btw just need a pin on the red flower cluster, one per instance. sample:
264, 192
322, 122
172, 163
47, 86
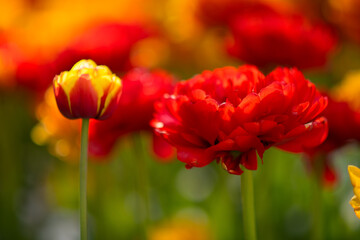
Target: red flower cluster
265, 38
344, 127
232, 115
141, 89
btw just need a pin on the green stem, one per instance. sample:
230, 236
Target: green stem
83, 177
142, 181
317, 231
247, 195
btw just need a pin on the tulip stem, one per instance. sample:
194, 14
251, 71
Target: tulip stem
83, 178
248, 209
142, 184
317, 231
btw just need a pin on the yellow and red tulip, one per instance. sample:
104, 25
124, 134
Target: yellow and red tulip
87, 91
354, 174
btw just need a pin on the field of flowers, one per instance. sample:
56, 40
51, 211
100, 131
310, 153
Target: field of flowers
179, 119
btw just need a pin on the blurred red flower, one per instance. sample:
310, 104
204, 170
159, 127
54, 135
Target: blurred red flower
344, 127
270, 38
232, 115
220, 12
141, 88
107, 44
34, 73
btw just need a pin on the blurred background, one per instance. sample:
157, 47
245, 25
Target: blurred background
136, 187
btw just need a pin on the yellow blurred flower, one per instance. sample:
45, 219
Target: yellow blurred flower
349, 89
180, 229
56, 22
354, 174
60, 134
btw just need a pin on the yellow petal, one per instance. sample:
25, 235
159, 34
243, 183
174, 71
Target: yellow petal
354, 174
357, 191
84, 64
355, 203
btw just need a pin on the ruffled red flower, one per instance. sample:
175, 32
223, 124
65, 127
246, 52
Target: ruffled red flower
108, 44
232, 115
344, 127
141, 88
269, 38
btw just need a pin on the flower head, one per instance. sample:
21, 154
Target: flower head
87, 91
232, 115
265, 38
354, 174
134, 112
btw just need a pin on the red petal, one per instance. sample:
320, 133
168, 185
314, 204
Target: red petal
305, 136
84, 99
247, 109
227, 145
245, 143
62, 101
111, 107
162, 149
195, 157
272, 99
249, 160
226, 110
231, 165
201, 117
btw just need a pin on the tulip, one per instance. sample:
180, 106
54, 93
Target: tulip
87, 91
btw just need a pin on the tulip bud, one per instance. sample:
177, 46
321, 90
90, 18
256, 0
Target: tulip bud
87, 91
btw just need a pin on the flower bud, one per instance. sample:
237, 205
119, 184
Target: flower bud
87, 91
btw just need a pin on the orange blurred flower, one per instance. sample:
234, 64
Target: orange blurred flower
181, 229
61, 135
346, 15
